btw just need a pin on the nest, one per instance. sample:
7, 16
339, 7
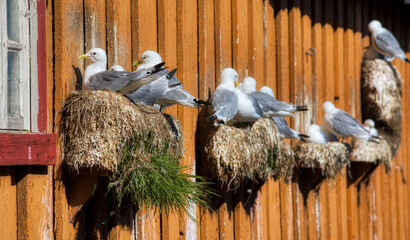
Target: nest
94, 127
285, 162
330, 158
381, 99
364, 151
233, 155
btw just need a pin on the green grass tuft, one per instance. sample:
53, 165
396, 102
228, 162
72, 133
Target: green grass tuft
153, 178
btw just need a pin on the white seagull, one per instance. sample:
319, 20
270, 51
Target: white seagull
248, 108
370, 126
341, 124
385, 42
225, 97
96, 77
269, 105
316, 135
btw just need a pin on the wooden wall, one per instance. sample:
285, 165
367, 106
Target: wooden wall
264, 39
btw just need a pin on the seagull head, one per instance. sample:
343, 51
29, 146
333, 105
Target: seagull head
328, 107
267, 90
374, 25
229, 76
314, 128
97, 55
369, 123
148, 59
248, 85
117, 68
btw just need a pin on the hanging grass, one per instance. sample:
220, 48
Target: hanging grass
150, 177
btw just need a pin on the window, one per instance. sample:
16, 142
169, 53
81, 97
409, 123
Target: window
15, 78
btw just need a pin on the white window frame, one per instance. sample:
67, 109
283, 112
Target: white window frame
23, 47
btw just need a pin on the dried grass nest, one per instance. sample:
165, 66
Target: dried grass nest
381, 99
233, 155
365, 151
94, 127
330, 158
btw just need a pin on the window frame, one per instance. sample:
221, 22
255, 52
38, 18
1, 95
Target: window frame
33, 146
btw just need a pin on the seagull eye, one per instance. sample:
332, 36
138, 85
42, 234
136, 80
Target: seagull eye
94, 53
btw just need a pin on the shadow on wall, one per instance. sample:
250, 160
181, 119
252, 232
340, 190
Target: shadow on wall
354, 15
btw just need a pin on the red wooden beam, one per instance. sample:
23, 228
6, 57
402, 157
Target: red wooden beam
27, 149
42, 66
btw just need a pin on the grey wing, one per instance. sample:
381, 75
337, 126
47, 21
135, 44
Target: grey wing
386, 42
225, 103
282, 125
107, 80
255, 104
177, 96
141, 95
346, 125
173, 81
267, 102
139, 78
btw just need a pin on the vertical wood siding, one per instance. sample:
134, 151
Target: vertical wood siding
266, 39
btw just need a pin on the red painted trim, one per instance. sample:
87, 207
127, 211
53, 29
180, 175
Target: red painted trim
42, 67
27, 149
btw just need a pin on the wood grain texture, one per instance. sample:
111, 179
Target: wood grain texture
27, 149
8, 208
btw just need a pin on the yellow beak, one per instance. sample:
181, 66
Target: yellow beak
236, 84
136, 63
83, 56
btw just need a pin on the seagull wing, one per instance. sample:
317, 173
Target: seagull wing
225, 103
387, 43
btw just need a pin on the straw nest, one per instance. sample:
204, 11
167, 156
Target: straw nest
381, 99
233, 155
94, 127
330, 158
365, 151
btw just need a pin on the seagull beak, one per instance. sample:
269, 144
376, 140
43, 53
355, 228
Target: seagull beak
237, 84
136, 63
83, 56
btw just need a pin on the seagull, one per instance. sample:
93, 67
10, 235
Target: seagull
248, 108
117, 68
341, 124
370, 126
174, 94
269, 105
225, 98
283, 128
316, 135
96, 77
385, 42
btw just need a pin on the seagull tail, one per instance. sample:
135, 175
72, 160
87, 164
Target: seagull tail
303, 137
171, 74
302, 108
201, 103
159, 66
211, 118
407, 60
375, 139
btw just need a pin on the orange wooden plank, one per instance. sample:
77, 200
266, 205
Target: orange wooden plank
188, 75
35, 203
167, 37
297, 96
8, 208
119, 34
223, 59
270, 44
282, 44
259, 216
206, 22
50, 65
68, 45
143, 27
144, 37
94, 23
240, 54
